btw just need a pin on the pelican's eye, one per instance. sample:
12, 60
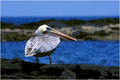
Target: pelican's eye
49, 29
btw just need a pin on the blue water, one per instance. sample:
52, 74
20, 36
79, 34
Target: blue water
81, 52
25, 20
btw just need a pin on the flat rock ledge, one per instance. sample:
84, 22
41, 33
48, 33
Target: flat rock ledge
19, 69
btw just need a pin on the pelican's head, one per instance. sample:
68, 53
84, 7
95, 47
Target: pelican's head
41, 30
45, 29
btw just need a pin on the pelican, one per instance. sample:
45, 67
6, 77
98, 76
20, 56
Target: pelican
44, 42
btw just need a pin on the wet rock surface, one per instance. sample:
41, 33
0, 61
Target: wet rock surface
19, 69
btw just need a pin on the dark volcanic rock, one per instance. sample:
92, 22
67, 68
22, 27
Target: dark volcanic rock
19, 69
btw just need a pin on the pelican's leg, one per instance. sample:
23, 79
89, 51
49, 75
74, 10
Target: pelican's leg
50, 59
37, 60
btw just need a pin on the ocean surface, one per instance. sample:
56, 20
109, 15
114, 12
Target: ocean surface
68, 52
25, 20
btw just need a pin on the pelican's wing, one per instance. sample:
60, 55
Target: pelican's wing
41, 44
29, 48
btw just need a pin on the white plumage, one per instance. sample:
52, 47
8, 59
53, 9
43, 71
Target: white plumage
41, 45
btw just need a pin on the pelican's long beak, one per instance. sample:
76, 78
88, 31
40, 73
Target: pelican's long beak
61, 34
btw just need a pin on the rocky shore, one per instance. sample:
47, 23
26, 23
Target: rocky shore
100, 29
19, 69
108, 32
